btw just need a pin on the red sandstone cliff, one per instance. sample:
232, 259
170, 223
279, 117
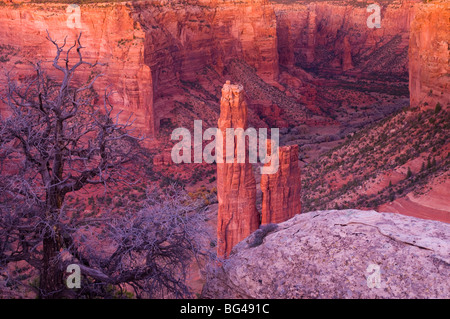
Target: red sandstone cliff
155, 50
281, 191
332, 37
429, 71
150, 48
236, 187
184, 40
109, 35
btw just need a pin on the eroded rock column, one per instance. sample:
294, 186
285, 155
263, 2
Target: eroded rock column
281, 191
236, 187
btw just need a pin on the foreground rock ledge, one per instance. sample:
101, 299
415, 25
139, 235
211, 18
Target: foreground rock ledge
325, 254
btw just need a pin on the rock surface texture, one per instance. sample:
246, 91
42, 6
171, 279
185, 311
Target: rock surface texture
281, 191
327, 254
236, 187
151, 49
148, 48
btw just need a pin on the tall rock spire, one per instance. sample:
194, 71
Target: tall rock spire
281, 191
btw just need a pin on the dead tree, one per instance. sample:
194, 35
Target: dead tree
54, 140
150, 251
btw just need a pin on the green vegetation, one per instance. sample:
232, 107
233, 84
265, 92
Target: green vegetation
344, 175
6, 51
438, 108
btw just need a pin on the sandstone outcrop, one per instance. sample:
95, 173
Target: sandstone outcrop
109, 36
429, 69
153, 48
148, 47
281, 191
333, 38
185, 38
335, 254
236, 187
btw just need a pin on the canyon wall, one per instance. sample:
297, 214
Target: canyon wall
148, 47
153, 49
429, 45
109, 36
332, 37
183, 38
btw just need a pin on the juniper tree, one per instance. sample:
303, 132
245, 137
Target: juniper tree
55, 139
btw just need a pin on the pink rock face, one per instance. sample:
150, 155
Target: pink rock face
236, 187
185, 37
334, 38
281, 191
109, 36
429, 81
147, 47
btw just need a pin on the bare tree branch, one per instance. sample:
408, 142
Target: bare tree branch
56, 140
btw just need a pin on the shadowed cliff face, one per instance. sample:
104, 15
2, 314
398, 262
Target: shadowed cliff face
152, 48
370, 169
333, 38
182, 39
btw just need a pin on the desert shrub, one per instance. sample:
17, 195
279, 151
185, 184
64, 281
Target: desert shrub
438, 108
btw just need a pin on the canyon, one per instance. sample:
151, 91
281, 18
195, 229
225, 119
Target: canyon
358, 108
167, 60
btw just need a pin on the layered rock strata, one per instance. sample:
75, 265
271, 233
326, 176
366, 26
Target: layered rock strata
328, 37
185, 39
110, 36
429, 44
236, 186
148, 48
